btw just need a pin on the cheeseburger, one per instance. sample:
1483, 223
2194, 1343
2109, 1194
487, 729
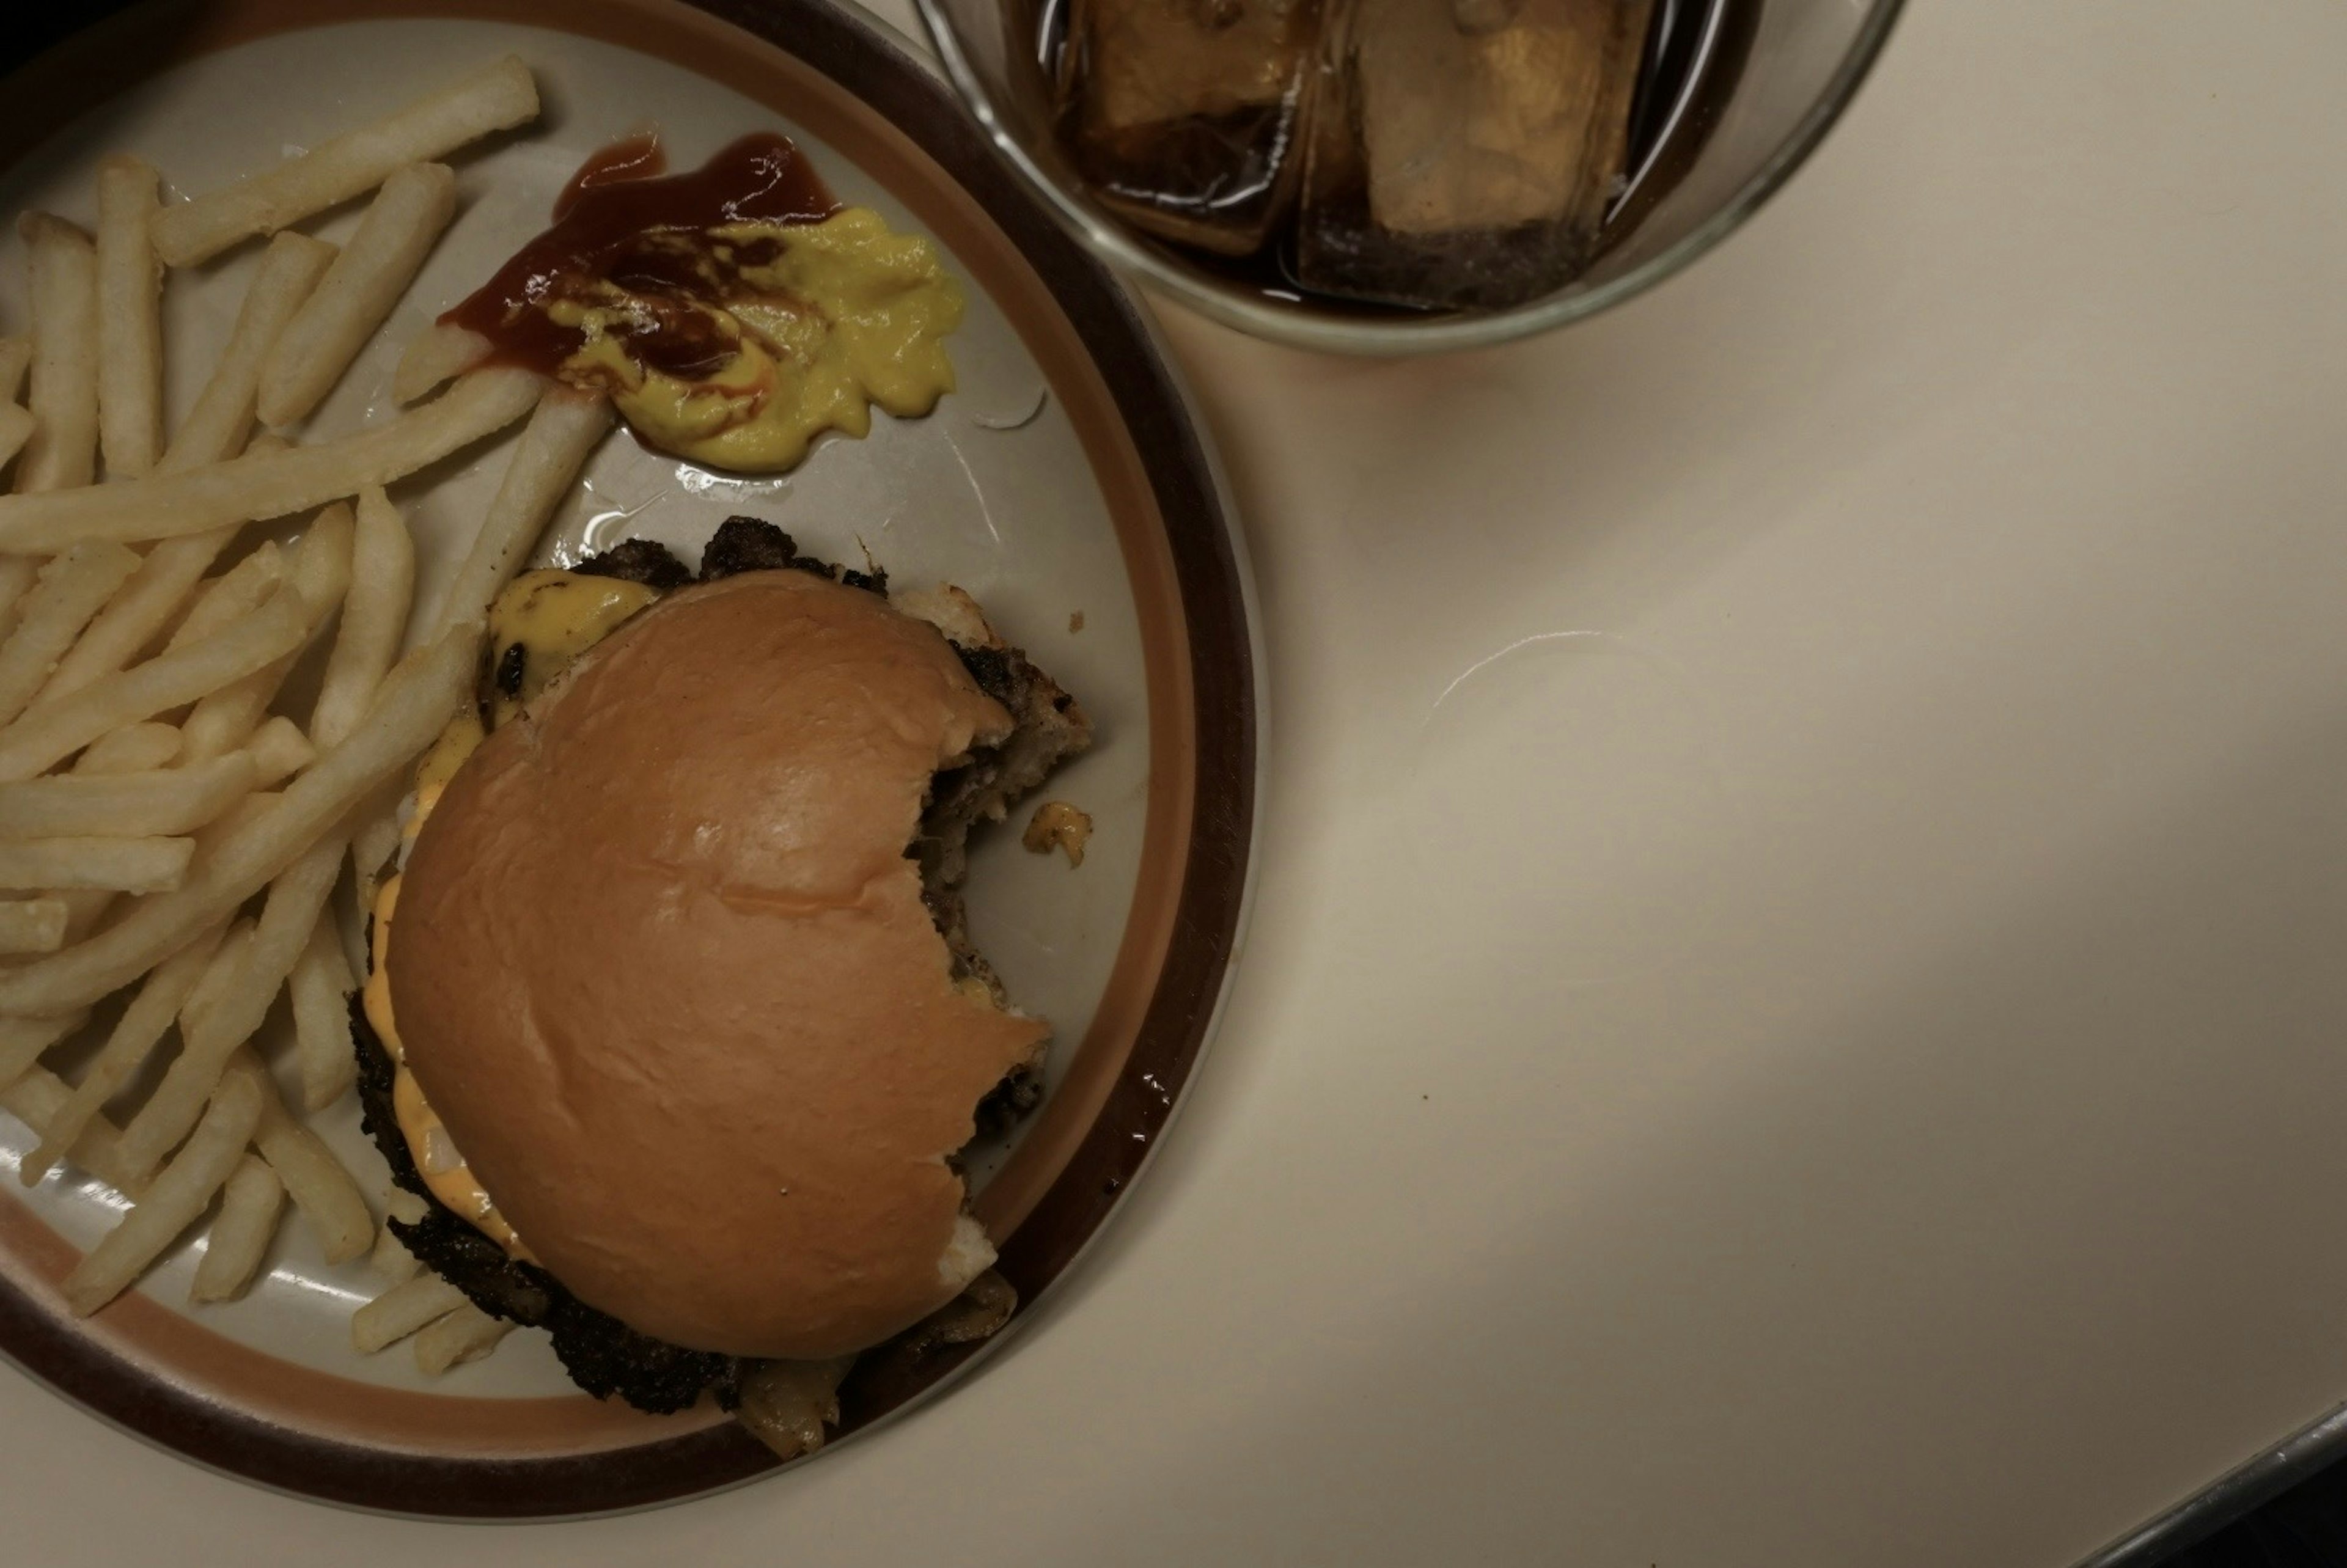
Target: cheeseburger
673, 1018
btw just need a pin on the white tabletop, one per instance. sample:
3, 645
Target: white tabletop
1795, 1013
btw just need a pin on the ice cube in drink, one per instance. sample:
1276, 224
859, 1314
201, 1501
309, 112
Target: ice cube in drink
1463, 152
1182, 114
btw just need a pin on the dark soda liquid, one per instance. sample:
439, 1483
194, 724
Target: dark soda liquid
1695, 52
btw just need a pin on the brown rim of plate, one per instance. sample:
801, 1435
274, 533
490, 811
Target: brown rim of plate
1099, 1126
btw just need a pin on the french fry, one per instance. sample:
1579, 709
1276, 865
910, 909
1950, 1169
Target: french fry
497, 98
371, 848
61, 268
219, 975
211, 1034
401, 1311
71, 590
232, 596
321, 561
122, 865
321, 574
358, 290
279, 749
32, 924
85, 907
240, 1236
330, 1201
390, 1257
465, 1335
273, 484
36, 1096
375, 617
15, 358
546, 462
132, 749
16, 427
17, 574
137, 614
130, 318
217, 427
40, 740
321, 987
441, 351
161, 803
173, 1202
408, 712
21, 1040
134, 1037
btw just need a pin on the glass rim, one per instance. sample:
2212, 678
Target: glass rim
1263, 319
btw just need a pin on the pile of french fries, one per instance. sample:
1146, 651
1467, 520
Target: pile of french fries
169, 829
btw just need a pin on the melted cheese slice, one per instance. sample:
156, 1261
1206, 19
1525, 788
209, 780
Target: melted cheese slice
541, 622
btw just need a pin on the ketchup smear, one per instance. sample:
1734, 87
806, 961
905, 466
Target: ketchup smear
621, 220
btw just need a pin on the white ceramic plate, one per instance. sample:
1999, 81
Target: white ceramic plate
1060, 484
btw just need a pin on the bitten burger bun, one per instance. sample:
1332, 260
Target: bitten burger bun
663, 968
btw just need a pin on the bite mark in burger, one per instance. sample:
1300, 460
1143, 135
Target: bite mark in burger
685, 1029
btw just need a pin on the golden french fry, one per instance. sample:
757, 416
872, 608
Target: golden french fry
216, 429
17, 574
390, 1259
409, 710
85, 907
358, 290
40, 740
271, 484
465, 1335
240, 1236
330, 1201
16, 427
71, 590
371, 848
279, 749
232, 596
375, 617
32, 925
132, 749
15, 358
441, 351
401, 1311
36, 1096
321, 574
137, 614
167, 990
495, 98
21, 1040
211, 1034
129, 317
545, 463
173, 1202
122, 865
219, 975
320, 986
61, 269
164, 801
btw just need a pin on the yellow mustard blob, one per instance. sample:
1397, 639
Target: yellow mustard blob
813, 323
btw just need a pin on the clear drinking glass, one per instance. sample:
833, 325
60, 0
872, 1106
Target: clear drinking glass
1734, 95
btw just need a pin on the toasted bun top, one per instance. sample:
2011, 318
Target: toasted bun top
663, 967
